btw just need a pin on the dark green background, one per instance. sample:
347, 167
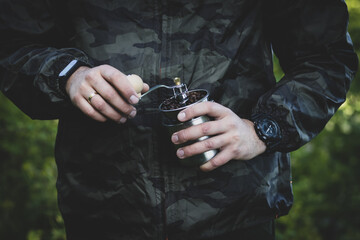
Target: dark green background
326, 174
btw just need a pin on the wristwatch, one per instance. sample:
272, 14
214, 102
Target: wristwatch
268, 131
65, 74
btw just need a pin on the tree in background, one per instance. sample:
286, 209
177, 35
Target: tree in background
325, 174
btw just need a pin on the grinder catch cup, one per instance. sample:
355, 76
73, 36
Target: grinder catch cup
170, 108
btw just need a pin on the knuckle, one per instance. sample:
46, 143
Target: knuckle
90, 76
205, 129
209, 144
90, 112
191, 149
83, 86
217, 162
109, 95
183, 136
236, 151
187, 151
236, 138
102, 66
189, 112
212, 106
232, 125
100, 106
115, 75
214, 163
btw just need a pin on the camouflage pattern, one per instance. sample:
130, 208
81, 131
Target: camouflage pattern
124, 181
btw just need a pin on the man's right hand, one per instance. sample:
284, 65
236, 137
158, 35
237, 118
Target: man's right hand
114, 98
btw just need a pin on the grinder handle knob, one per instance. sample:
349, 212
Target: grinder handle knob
136, 82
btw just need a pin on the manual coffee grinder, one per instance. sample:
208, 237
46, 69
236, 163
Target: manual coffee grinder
183, 98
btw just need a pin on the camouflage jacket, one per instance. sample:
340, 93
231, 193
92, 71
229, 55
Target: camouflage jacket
124, 181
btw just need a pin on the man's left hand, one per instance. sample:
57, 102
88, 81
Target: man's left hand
235, 138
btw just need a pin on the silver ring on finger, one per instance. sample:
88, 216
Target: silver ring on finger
91, 96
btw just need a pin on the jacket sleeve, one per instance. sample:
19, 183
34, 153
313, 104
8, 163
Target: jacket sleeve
316, 54
33, 51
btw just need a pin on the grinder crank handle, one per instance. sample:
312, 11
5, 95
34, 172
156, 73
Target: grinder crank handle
154, 88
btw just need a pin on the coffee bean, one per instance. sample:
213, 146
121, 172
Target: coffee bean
193, 97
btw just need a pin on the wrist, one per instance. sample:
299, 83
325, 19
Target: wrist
259, 145
67, 72
74, 76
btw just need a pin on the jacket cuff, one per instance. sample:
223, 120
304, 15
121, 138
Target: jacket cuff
49, 74
59, 66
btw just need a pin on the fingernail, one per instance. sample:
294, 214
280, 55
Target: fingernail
132, 114
180, 153
181, 116
134, 99
174, 138
122, 120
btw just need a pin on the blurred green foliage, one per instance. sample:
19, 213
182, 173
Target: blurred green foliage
28, 204
326, 177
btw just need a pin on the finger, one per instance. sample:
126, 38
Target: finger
202, 146
146, 88
112, 97
220, 159
120, 83
211, 109
99, 104
86, 108
198, 131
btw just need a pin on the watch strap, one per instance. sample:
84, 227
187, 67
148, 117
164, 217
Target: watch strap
65, 73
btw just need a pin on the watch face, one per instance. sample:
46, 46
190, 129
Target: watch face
269, 128
268, 131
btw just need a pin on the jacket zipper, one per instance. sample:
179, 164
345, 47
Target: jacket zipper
158, 14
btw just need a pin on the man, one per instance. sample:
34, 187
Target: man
119, 176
